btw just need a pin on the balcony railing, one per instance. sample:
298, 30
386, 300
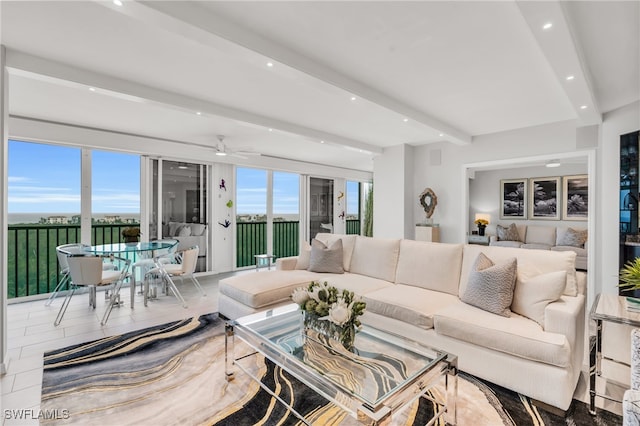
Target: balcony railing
32, 262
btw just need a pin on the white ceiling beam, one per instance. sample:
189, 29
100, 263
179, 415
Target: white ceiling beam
36, 67
195, 22
563, 56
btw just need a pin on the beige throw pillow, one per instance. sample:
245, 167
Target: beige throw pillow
490, 286
326, 259
531, 297
507, 234
304, 257
574, 238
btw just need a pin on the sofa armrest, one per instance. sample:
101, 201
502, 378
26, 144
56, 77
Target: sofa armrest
286, 263
493, 239
564, 317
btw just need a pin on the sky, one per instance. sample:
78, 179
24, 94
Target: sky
46, 179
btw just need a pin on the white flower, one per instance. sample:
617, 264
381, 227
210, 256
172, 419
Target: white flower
300, 296
340, 312
314, 293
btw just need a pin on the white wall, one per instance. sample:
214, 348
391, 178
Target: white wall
392, 193
448, 180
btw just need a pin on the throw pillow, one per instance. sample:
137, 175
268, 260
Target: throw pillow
326, 259
304, 257
531, 297
184, 231
507, 234
574, 238
490, 285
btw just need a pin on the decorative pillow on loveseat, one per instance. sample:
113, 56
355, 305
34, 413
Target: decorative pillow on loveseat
326, 259
507, 234
490, 286
574, 238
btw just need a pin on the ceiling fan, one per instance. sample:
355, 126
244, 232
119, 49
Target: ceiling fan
222, 150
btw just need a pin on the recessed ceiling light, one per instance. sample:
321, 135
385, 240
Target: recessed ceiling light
353, 98
583, 107
441, 134
405, 119
198, 113
221, 154
92, 89
570, 77
270, 129
553, 163
269, 64
183, 166
117, 2
547, 26
321, 141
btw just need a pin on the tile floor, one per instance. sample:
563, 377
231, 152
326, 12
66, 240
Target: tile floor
31, 333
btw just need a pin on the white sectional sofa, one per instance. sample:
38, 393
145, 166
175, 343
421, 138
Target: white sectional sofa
545, 238
413, 288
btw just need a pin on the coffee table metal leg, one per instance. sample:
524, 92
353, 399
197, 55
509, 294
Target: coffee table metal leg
451, 388
228, 352
595, 360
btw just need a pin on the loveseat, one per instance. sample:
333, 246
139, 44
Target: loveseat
414, 289
188, 235
555, 238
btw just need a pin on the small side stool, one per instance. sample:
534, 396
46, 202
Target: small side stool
263, 260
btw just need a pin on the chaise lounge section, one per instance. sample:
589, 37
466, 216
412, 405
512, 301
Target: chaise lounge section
415, 289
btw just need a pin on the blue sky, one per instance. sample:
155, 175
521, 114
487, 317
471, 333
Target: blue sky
46, 179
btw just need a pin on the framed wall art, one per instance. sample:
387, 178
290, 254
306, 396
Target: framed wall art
575, 197
513, 196
544, 198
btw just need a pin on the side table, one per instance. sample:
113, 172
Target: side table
612, 308
478, 239
264, 260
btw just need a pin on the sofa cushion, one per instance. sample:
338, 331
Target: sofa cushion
198, 229
513, 244
359, 284
304, 257
413, 305
348, 243
516, 335
375, 257
490, 285
260, 289
530, 263
572, 237
184, 231
416, 265
536, 246
326, 259
509, 233
531, 296
541, 235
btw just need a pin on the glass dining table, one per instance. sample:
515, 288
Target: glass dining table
144, 249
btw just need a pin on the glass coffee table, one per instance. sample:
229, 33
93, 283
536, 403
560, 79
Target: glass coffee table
381, 375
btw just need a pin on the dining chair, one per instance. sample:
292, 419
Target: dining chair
146, 264
184, 267
62, 252
87, 271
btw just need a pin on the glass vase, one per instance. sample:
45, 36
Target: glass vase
345, 334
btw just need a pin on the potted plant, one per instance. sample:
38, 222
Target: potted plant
131, 234
630, 277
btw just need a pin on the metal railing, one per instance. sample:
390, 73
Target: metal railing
32, 266
251, 239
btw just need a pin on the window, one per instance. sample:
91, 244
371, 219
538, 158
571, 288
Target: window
354, 195
251, 215
286, 214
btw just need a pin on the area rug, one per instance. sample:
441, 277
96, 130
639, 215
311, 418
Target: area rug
174, 374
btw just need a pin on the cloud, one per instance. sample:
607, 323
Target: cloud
14, 179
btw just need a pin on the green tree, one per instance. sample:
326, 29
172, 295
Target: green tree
367, 230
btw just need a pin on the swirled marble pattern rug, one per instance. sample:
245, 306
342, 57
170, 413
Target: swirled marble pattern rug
174, 374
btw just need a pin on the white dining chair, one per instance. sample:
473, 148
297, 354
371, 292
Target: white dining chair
146, 264
87, 271
184, 267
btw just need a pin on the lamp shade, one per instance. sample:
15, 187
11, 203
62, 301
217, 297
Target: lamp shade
484, 216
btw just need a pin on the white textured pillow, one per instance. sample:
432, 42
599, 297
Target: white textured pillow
490, 286
326, 259
184, 231
197, 229
304, 257
531, 297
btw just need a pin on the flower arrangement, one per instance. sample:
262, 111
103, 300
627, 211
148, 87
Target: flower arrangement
481, 222
131, 231
330, 311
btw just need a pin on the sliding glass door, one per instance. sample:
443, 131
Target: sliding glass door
320, 206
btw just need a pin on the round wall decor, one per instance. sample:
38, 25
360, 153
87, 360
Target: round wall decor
429, 201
